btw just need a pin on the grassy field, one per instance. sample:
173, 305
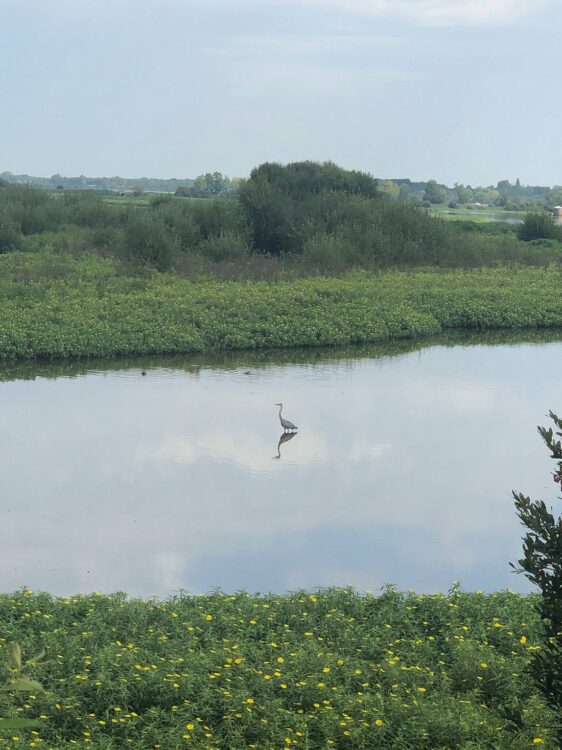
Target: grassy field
302, 671
57, 306
478, 214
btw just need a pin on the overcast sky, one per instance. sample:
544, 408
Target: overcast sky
456, 90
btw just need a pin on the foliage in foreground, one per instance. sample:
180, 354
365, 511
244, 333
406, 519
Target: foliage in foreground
18, 681
333, 669
58, 306
542, 564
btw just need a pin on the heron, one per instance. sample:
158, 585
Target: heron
285, 424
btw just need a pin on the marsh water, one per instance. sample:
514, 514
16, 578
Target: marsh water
401, 471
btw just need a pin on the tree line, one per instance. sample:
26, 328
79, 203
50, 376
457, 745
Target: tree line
504, 195
317, 215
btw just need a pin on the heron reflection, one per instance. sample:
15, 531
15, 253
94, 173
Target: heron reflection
285, 437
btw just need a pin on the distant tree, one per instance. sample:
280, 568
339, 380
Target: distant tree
404, 191
305, 178
271, 216
4, 183
282, 203
138, 190
209, 185
433, 193
486, 195
463, 194
389, 187
555, 195
517, 183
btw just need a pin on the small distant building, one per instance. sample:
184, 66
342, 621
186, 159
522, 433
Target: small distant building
557, 215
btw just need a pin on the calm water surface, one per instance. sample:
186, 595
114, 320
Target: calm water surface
401, 471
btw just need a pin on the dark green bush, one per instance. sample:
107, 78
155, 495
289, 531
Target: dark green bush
539, 225
225, 246
85, 208
10, 235
148, 241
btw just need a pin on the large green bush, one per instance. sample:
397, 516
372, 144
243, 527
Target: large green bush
148, 241
539, 225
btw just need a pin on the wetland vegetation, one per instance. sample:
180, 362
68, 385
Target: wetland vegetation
303, 255
59, 306
299, 671
300, 256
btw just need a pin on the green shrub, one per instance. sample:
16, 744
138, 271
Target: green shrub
10, 235
539, 225
148, 241
330, 252
225, 246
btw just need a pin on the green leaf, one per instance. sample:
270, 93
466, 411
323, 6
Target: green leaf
18, 724
35, 660
24, 685
15, 653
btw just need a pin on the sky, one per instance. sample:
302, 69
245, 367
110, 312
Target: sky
461, 91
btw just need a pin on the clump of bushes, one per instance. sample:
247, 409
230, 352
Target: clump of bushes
539, 225
314, 218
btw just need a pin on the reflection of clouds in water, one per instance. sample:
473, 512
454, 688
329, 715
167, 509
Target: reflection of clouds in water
248, 450
401, 473
463, 397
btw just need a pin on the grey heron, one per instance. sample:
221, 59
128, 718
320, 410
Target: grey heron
285, 424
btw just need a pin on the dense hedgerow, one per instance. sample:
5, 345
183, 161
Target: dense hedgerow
317, 217
57, 306
304, 671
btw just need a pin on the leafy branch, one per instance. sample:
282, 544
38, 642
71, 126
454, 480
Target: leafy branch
542, 565
18, 681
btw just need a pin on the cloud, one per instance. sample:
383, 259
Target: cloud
477, 12
441, 12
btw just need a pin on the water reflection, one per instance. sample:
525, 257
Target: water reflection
261, 358
113, 480
284, 438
